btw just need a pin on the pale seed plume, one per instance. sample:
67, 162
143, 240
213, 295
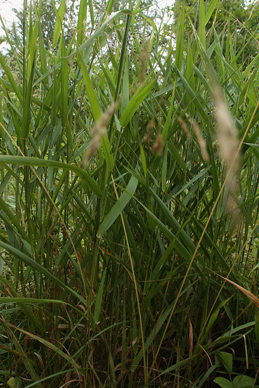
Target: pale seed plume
228, 143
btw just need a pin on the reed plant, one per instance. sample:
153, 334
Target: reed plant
129, 205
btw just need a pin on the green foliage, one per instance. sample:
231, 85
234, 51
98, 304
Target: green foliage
46, 13
239, 381
122, 201
233, 18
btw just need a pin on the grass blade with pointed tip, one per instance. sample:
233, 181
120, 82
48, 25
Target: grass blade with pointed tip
96, 110
135, 102
118, 207
58, 25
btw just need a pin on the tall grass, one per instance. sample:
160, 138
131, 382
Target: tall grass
122, 263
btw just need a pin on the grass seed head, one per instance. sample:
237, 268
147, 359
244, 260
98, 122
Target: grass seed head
228, 144
226, 130
150, 126
159, 144
97, 131
184, 128
201, 141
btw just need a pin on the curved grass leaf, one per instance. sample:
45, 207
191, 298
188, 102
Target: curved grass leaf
135, 102
118, 207
30, 161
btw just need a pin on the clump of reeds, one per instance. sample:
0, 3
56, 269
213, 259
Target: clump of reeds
97, 131
227, 143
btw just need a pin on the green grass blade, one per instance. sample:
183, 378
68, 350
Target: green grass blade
64, 83
99, 299
82, 17
210, 9
107, 152
135, 102
118, 207
179, 41
58, 25
27, 107
100, 30
10, 77
201, 30
96, 110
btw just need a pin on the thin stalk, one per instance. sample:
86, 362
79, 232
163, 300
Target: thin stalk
24, 49
146, 375
95, 264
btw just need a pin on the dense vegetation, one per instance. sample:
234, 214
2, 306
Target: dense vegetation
129, 201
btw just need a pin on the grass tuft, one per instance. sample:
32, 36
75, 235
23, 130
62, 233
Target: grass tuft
122, 264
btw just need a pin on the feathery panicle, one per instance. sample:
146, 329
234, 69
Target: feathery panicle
184, 128
150, 126
201, 141
97, 131
227, 143
159, 144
